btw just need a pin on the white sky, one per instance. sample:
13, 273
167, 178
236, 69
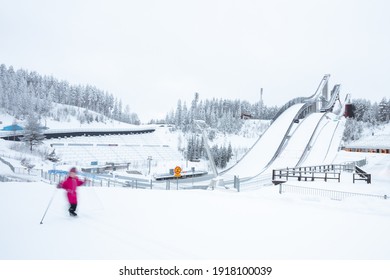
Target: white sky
151, 53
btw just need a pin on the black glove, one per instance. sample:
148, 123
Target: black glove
59, 186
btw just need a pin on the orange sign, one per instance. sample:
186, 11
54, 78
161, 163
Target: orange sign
177, 171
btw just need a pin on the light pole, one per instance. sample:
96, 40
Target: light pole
149, 160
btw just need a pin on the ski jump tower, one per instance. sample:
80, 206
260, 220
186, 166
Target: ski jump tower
324, 95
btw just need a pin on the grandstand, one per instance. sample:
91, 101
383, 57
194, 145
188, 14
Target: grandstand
117, 149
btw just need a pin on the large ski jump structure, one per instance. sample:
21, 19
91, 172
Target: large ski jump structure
306, 131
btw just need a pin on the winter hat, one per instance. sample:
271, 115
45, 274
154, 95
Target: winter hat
73, 169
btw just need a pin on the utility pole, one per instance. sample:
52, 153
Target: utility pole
261, 103
149, 160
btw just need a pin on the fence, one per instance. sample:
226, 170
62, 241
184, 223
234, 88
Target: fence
4, 179
336, 195
360, 174
92, 182
358, 163
325, 172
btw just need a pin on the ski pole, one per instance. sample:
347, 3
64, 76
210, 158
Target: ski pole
48, 206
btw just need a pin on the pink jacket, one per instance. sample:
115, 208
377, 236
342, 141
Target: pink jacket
70, 184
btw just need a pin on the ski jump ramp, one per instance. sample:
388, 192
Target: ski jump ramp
314, 139
262, 153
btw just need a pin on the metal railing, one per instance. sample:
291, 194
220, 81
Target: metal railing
311, 99
334, 96
93, 181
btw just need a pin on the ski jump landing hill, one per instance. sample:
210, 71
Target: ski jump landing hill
306, 131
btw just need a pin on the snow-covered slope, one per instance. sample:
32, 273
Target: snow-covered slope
120, 223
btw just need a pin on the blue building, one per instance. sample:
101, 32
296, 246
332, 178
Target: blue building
13, 127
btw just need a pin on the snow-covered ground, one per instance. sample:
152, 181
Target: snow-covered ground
133, 224
195, 225
122, 223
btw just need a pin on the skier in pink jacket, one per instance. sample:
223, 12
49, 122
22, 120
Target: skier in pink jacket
70, 184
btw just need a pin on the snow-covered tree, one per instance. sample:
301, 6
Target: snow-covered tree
178, 114
384, 110
33, 134
23, 92
353, 130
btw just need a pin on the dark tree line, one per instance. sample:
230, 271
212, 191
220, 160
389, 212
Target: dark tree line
196, 150
24, 93
222, 155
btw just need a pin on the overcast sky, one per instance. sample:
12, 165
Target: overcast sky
152, 53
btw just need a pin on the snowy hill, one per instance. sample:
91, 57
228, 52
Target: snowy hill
67, 116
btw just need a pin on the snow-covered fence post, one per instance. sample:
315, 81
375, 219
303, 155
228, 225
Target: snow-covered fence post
237, 183
168, 185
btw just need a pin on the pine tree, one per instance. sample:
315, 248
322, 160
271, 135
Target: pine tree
178, 115
384, 110
229, 152
33, 134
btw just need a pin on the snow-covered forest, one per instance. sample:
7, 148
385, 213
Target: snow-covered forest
218, 116
223, 115
24, 93
366, 115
